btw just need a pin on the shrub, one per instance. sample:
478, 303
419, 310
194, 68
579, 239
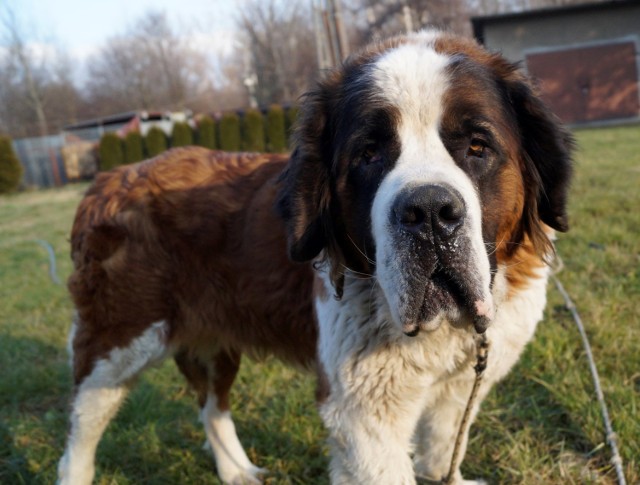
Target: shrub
10, 167
181, 135
230, 132
290, 120
253, 131
133, 149
155, 141
207, 133
110, 151
276, 134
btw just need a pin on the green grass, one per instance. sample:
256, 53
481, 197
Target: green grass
542, 425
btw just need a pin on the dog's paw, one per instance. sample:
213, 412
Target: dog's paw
238, 469
249, 476
423, 480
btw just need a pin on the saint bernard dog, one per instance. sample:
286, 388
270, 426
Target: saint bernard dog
416, 211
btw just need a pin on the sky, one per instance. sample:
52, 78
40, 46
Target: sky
80, 27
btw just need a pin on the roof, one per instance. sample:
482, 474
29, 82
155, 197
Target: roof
480, 22
114, 119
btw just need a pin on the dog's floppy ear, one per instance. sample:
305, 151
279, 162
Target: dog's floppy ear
546, 154
303, 199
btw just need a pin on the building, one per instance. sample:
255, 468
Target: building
41, 160
585, 57
71, 155
122, 123
81, 139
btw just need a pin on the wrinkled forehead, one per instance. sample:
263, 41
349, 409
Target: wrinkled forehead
433, 89
414, 78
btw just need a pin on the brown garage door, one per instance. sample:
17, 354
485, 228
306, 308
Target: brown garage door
589, 83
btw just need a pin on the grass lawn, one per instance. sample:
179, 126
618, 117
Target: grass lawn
542, 425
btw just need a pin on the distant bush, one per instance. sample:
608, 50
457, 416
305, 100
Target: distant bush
155, 141
253, 131
276, 135
10, 167
290, 121
207, 133
133, 149
230, 132
110, 151
181, 135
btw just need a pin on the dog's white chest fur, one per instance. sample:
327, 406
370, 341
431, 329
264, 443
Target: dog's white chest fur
392, 395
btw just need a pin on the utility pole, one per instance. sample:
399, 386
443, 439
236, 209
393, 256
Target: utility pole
250, 79
343, 42
331, 38
406, 14
323, 49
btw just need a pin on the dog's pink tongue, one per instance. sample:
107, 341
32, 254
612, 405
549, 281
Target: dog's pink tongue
484, 315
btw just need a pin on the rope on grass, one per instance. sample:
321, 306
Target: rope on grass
52, 260
616, 459
482, 354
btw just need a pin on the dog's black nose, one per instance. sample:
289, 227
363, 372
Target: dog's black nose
429, 209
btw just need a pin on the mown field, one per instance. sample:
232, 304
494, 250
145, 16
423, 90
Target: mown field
542, 425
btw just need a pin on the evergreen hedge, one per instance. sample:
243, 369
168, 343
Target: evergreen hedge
181, 135
110, 151
230, 132
253, 131
155, 141
133, 149
10, 167
276, 134
207, 133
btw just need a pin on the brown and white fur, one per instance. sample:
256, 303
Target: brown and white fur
418, 207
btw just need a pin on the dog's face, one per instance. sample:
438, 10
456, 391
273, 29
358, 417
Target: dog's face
425, 161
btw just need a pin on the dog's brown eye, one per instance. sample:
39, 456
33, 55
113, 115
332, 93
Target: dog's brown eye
371, 154
476, 148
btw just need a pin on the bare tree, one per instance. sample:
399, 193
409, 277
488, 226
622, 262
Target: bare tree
37, 91
389, 17
230, 91
22, 82
379, 18
280, 49
23, 66
148, 67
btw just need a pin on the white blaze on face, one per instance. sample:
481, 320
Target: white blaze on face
413, 78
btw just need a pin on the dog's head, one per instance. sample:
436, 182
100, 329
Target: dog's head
425, 161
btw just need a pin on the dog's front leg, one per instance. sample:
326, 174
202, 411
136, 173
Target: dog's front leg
437, 429
371, 411
374, 394
367, 445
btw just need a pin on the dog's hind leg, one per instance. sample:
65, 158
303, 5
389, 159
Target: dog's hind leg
212, 380
101, 386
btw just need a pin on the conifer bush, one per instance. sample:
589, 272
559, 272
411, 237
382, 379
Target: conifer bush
276, 134
110, 151
10, 167
181, 135
230, 132
207, 133
155, 141
253, 131
133, 148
